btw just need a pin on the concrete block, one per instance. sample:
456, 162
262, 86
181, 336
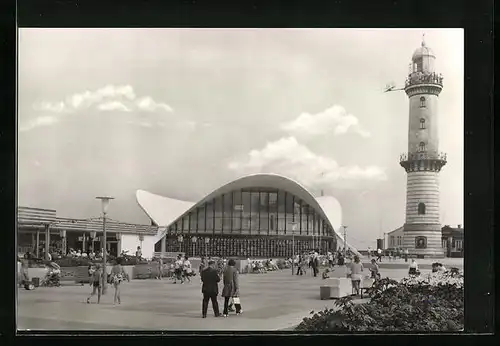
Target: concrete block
339, 287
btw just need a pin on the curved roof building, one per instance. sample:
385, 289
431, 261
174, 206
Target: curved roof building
259, 215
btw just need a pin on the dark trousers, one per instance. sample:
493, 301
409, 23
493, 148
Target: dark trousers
215, 304
299, 270
379, 258
226, 306
315, 270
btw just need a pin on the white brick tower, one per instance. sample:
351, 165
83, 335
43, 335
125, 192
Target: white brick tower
423, 161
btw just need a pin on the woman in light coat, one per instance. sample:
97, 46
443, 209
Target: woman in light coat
231, 287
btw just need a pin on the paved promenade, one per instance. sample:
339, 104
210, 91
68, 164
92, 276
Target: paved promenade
271, 301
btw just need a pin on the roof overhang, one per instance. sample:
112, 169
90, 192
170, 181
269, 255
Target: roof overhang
164, 211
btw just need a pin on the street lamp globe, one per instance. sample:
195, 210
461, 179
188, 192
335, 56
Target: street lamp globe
105, 203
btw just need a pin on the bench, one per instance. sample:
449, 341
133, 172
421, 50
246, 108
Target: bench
342, 287
366, 284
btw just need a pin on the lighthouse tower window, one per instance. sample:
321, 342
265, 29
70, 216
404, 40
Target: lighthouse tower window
421, 147
422, 102
421, 208
422, 123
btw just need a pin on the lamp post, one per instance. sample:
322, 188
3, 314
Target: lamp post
193, 240
180, 239
104, 204
141, 239
62, 234
207, 240
345, 241
294, 228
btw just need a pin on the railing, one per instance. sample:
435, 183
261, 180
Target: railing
420, 78
422, 156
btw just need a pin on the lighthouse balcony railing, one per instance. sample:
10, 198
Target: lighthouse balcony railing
405, 157
423, 78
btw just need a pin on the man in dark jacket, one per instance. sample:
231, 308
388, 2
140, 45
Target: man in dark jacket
210, 289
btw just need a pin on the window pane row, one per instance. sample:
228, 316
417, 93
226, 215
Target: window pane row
254, 212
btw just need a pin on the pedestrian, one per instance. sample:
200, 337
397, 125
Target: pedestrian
138, 253
91, 270
117, 276
406, 255
210, 289
379, 255
340, 259
231, 288
203, 264
356, 273
374, 270
331, 262
160, 268
187, 271
316, 262
413, 268
441, 267
178, 266
24, 269
97, 283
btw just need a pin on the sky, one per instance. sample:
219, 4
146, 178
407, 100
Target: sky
179, 112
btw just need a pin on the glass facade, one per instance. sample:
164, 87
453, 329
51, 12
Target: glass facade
250, 223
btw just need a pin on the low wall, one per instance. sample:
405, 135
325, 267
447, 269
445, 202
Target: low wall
67, 274
140, 271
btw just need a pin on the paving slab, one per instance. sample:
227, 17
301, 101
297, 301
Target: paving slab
271, 301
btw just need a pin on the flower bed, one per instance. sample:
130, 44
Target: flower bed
433, 302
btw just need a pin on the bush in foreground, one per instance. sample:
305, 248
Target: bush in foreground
429, 303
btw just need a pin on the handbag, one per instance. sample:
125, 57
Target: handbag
236, 300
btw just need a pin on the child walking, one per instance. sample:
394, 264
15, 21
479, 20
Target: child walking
97, 283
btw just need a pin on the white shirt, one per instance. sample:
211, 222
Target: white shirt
187, 264
414, 265
379, 251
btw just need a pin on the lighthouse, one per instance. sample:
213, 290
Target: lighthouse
423, 161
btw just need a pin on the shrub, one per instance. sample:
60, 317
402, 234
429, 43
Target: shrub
430, 303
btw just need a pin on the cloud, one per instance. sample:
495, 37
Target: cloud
117, 98
332, 120
121, 98
57, 107
288, 157
148, 104
45, 120
113, 106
